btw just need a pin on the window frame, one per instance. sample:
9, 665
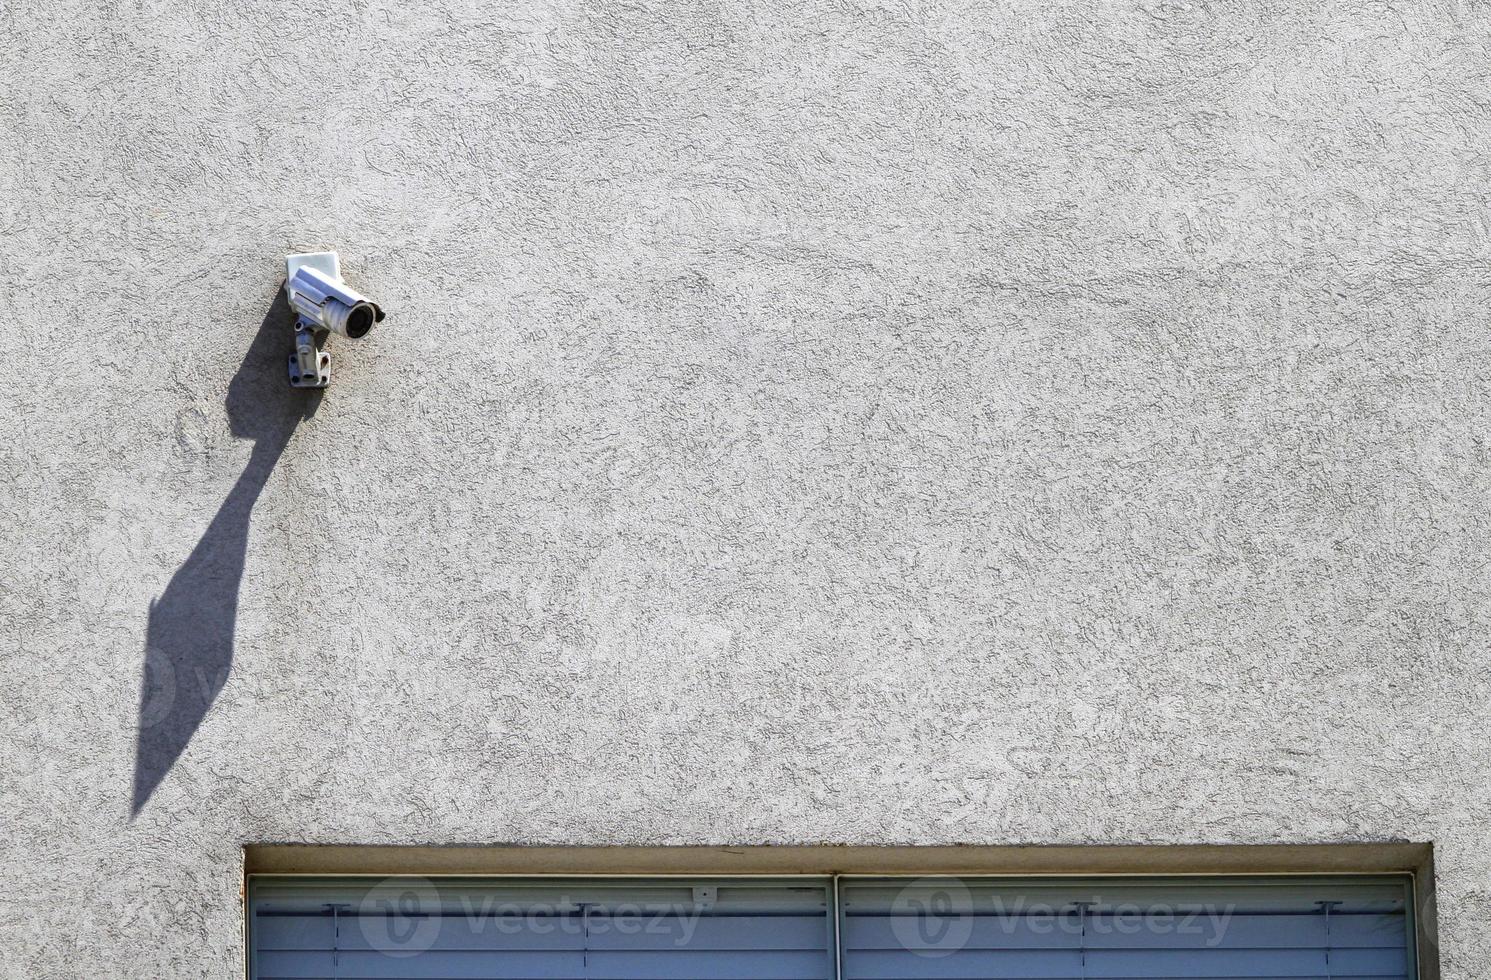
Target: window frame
1411, 863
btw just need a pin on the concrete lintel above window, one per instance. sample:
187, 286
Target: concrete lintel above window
1211, 859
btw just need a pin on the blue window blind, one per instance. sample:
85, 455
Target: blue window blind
945, 929
621, 929
1343, 928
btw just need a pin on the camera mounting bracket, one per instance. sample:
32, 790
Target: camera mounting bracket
310, 366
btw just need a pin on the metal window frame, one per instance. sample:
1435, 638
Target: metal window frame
834, 863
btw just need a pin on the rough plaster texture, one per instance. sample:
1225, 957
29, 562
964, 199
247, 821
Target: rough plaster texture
875, 423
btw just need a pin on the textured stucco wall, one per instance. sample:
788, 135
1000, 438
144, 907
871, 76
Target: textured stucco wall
878, 423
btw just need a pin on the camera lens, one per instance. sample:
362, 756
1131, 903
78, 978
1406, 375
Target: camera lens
359, 320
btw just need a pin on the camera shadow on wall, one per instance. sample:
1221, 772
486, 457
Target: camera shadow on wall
189, 636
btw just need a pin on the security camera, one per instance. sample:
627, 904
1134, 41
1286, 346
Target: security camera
323, 305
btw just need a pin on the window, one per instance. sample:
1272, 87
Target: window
822, 928
1177, 928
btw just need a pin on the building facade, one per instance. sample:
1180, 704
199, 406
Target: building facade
844, 423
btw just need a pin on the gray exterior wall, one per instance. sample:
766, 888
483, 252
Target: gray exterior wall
868, 423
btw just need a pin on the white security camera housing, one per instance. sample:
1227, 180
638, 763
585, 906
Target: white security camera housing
323, 304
